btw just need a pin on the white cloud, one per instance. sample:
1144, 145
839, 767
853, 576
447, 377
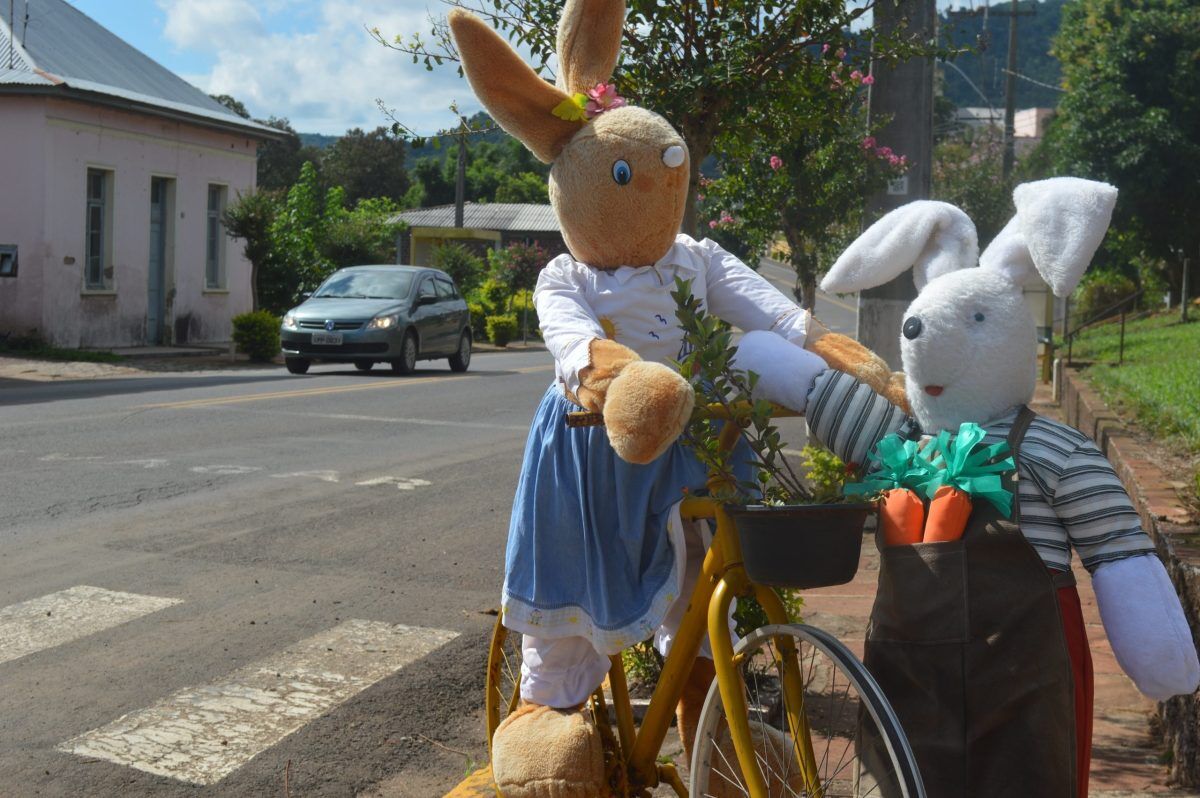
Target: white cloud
315, 63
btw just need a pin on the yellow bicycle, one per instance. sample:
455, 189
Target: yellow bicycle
792, 711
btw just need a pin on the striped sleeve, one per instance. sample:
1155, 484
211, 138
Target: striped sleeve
849, 418
1092, 505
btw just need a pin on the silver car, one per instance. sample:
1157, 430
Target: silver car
370, 314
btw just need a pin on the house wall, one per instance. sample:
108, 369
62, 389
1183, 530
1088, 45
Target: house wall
22, 210
137, 147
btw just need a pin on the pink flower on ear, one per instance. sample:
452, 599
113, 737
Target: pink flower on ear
776, 163
603, 98
868, 80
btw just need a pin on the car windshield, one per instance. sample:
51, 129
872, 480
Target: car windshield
366, 285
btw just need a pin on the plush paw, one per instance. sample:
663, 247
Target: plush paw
771, 746
849, 356
541, 752
646, 409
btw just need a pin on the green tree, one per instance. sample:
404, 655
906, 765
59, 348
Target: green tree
250, 219
1131, 117
805, 182
297, 234
279, 161
523, 187
463, 266
232, 103
367, 165
700, 65
362, 235
967, 171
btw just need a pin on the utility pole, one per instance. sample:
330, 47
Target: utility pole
1010, 94
460, 180
904, 94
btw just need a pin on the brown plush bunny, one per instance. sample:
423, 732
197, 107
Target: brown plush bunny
597, 555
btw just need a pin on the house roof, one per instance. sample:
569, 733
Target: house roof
58, 49
502, 216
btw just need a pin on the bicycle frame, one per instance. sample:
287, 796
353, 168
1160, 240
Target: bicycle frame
722, 578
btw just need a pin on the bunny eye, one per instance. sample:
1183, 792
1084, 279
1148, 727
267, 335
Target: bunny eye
622, 173
978, 317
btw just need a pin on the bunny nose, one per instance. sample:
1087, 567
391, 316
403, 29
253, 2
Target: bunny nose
673, 156
912, 327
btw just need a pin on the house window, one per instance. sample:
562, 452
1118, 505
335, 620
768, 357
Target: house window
214, 261
8, 260
98, 272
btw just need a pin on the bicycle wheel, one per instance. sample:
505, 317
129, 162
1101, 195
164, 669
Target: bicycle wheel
503, 678
858, 748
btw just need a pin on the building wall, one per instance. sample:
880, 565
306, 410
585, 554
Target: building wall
136, 148
23, 167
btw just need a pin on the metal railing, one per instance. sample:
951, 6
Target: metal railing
1124, 305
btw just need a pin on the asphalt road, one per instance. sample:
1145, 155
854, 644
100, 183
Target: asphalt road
291, 579
268, 508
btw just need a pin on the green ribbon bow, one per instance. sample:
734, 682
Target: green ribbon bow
963, 463
900, 466
958, 461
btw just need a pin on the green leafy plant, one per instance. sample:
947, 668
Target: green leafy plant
257, 335
501, 329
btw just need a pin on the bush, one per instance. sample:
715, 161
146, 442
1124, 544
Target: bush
1098, 292
501, 329
479, 316
257, 335
460, 263
517, 304
495, 296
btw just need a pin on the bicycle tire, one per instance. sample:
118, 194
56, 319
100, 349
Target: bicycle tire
865, 726
503, 683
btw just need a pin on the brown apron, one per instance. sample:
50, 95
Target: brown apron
967, 642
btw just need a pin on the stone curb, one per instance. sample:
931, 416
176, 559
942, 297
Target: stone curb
1175, 534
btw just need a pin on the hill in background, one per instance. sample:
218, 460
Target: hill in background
986, 31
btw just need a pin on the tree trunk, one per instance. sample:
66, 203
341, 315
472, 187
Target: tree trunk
253, 285
699, 134
807, 285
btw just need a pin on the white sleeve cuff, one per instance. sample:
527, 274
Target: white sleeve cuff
574, 358
792, 325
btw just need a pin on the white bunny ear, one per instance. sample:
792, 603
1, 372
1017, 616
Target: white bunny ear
1062, 221
934, 238
1008, 254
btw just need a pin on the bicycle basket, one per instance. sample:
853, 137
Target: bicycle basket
801, 546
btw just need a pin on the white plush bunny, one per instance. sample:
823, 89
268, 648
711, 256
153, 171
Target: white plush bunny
969, 352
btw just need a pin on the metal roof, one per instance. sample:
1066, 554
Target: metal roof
503, 216
59, 47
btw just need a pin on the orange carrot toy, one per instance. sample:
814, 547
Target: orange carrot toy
961, 471
902, 513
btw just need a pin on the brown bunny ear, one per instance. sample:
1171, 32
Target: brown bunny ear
520, 101
589, 41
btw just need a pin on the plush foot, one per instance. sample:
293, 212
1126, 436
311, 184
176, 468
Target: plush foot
772, 747
691, 702
541, 752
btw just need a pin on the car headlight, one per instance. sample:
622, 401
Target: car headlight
289, 321
383, 322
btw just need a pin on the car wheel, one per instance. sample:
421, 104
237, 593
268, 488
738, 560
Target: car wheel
364, 365
297, 365
461, 359
408, 355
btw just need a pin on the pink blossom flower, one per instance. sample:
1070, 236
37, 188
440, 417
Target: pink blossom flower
700, 197
904, 160
841, 52
603, 98
868, 80
824, 49
893, 160
776, 163
883, 152
868, 143
856, 76
713, 224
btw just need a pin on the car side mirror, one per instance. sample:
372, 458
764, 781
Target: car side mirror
426, 300
306, 295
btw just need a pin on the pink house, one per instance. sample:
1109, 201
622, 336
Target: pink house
113, 176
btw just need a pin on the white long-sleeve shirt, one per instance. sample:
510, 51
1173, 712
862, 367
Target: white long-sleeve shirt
633, 305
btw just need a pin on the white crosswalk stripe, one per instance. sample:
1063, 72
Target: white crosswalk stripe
57, 618
202, 734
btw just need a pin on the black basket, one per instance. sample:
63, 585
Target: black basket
801, 546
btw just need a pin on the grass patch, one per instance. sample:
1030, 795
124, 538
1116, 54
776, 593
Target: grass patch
34, 347
1159, 382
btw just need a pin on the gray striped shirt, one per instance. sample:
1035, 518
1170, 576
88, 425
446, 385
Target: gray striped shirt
1070, 496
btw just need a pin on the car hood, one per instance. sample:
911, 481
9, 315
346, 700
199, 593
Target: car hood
345, 309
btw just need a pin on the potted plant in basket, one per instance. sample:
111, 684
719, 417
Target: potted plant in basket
795, 528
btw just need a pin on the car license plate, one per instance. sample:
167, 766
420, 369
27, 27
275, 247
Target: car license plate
327, 338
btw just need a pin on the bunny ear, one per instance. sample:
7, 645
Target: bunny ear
520, 101
1063, 220
934, 238
1008, 254
589, 41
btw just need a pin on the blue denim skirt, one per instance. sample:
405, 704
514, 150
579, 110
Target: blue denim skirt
593, 541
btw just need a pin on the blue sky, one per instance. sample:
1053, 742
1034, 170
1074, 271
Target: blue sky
311, 61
